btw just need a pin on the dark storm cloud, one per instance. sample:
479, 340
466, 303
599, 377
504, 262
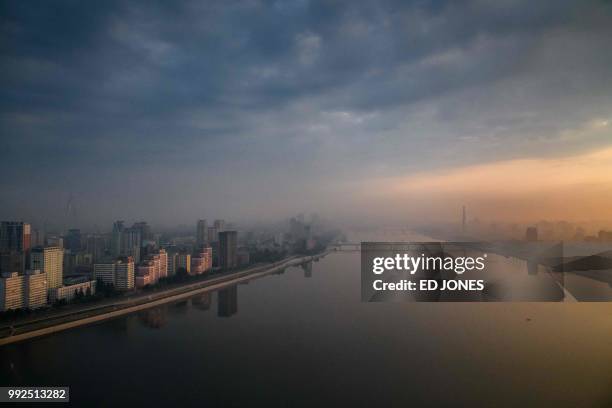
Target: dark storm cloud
239, 89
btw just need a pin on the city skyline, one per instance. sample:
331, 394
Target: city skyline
306, 203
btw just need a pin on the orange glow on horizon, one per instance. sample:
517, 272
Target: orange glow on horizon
570, 188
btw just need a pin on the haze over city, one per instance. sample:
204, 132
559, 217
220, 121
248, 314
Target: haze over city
306, 203
262, 109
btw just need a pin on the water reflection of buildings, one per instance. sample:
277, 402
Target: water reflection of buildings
119, 325
181, 305
227, 301
202, 301
154, 318
307, 268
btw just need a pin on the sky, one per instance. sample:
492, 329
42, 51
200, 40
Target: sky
398, 110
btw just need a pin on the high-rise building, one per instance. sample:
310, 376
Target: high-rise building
72, 241
531, 234
37, 237
161, 256
208, 258
296, 229
172, 263
605, 236
78, 263
228, 245
220, 225
105, 272
131, 242
201, 261
152, 269
15, 244
23, 291
35, 289
201, 231
15, 236
299, 232
124, 273
11, 291
49, 260
146, 235
52, 239
12, 261
96, 246
145, 274
119, 273
183, 261
212, 234
116, 238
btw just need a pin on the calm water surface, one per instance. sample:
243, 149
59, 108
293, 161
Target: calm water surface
303, 338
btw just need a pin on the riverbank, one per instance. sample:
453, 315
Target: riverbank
123, 306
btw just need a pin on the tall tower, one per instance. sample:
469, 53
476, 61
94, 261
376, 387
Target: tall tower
70, 216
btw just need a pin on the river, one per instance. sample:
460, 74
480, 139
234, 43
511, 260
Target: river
304, 338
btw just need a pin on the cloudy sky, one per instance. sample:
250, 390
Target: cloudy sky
172, 111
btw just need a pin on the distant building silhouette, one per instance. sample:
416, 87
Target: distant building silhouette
220, 225
131, 243
72, 241
531, 234
605, 236
96, 245
116, 238
145, 232
201, 233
